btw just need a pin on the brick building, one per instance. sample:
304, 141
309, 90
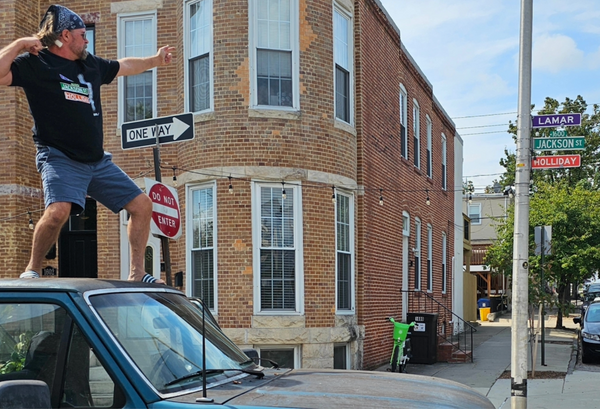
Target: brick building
295, 103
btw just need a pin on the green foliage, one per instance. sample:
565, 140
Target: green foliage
17, 357
566, 199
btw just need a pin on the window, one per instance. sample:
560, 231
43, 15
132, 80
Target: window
285, 357
416, 131
444, 172
429, 141
429, 258
342, 55
202, 247
90, 34
199, 54
405, 224
340, 356
403, 122
274, 39
344, 251
417, 251
475, 213
138, 92
444, 269
278, 257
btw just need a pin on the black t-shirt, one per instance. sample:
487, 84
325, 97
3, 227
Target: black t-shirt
64, 100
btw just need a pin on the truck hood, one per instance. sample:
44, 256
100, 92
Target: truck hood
306, 388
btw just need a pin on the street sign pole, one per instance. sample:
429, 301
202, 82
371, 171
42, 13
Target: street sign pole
164, 241
520, 285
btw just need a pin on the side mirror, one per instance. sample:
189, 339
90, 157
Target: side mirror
24, 393
577, 320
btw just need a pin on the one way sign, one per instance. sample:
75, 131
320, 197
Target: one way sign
176, 128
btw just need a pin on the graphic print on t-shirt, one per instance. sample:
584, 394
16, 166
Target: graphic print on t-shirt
75, 92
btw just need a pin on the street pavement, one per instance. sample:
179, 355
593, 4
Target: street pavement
562, 382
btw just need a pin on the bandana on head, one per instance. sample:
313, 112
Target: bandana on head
64, 19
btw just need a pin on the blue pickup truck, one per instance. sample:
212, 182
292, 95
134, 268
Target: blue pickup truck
86, 343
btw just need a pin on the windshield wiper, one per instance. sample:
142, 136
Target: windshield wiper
258, 374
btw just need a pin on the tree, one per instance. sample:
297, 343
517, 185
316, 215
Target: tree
567, 200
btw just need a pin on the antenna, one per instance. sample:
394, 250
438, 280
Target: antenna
204, 398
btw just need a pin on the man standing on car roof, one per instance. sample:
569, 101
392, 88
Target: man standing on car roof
62, 84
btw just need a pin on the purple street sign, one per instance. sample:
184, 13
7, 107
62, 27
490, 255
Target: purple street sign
556, 120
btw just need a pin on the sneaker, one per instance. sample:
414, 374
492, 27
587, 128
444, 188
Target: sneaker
29, 274
149, 279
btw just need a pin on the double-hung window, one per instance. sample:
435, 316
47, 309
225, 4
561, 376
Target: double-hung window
137, 38
475, 213
429, 258
417, 251
416, 133
444, 171
202, 247
277, 230
342, 55
344, 252
275, 53
199, 42
403, 122
429, 142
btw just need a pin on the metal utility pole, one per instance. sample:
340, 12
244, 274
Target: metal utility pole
520, 296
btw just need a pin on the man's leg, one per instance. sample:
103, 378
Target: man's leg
138, 229
46, 232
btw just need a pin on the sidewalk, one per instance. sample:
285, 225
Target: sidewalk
550, 388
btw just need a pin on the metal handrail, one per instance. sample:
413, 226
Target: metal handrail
443, 313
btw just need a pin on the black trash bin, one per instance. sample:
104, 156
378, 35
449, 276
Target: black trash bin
495, 303
423, 337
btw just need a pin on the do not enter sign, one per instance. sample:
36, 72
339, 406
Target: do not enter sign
166, 217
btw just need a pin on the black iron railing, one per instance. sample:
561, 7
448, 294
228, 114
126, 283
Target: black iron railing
450, 327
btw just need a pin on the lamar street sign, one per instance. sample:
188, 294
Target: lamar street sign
559, 144
175, 128
556, 120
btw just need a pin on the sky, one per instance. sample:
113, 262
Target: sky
469, 52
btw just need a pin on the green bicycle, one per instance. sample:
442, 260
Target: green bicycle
401, 351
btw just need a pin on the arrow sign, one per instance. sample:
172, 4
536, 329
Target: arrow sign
556, 120
556, 161
559, 144
176, 128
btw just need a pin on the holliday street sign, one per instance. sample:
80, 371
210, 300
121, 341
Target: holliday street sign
559, 144
556, 162
175, 128
556, 120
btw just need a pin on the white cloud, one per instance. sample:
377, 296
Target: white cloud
556, 53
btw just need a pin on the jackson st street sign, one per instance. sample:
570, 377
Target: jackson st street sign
559, 144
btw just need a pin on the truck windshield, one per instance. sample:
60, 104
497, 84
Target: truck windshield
162, 333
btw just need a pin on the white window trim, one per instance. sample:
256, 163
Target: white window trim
189, 237
404, 119
350, 35
351, 311
429, 257
406, 229
418, 234
122, 18
296, 348
294, 41
429, 144
475, 205
186, 50
417, 132
444, 162
444, 264
299, 246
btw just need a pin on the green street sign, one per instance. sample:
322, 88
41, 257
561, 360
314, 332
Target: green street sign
559, 144
562, 133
